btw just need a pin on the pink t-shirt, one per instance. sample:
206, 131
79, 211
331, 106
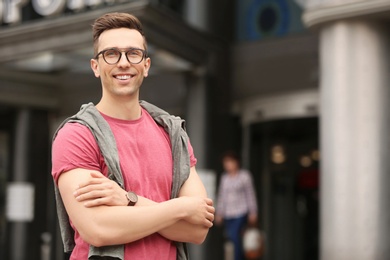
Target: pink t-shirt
146, 163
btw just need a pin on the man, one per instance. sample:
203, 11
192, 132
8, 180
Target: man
146, 216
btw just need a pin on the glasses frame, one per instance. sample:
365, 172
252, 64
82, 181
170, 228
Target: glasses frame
144, 55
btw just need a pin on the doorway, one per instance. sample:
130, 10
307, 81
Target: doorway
27, 209
7, 116
284, 157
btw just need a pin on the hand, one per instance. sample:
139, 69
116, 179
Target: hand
218, 220
252, 219
199, 211
99, 190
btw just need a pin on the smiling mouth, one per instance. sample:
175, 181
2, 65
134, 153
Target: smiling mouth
123, 77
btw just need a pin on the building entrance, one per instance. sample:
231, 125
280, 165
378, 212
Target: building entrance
284, 155
27, 214
6, 122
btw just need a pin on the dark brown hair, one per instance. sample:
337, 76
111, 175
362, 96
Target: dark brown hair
114, 21
230, 154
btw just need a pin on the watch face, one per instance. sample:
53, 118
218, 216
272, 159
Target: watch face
132, 197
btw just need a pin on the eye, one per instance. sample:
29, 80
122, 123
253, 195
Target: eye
111, 53
135, 52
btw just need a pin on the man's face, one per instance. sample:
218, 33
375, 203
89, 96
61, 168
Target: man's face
122, 79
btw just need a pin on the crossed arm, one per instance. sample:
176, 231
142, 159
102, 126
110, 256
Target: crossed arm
98, 209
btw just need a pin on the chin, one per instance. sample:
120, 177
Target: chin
126, 92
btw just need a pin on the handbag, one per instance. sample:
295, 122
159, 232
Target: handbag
253, 242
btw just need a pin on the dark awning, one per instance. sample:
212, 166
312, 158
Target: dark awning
71, 31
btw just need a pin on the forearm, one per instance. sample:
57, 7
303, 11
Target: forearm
108, 225
194, 215
184, 231
102, 226
181, 231
102, 221
251, 200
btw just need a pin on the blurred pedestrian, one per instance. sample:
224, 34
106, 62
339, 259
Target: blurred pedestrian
236, 202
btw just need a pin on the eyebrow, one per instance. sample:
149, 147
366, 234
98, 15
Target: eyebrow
123, 49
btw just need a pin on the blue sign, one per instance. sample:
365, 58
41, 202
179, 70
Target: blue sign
259, 19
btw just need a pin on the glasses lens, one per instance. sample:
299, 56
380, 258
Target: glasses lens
111, 56
135, 55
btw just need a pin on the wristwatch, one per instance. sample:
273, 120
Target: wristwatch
132, 198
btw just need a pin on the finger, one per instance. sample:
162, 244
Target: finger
92, 181
93, 194
208, 223
83, 197
97, 175
88, 188
94, 203
211, 209
209, 202
96, 181
97, 178
210, 217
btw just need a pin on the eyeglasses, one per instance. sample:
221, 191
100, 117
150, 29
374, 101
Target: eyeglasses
113, 56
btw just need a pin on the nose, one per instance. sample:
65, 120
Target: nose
123, 62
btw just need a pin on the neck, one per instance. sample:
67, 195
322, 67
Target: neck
126, 110
233, 172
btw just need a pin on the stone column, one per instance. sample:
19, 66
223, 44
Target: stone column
196, 118
196, 114
355, 127
19, 229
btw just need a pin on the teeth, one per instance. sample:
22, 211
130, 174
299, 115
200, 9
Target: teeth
123, 77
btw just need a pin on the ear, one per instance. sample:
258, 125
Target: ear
95, 67
147, 64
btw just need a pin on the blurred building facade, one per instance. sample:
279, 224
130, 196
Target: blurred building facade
299, 87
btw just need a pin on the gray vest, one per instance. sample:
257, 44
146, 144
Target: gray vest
90, 117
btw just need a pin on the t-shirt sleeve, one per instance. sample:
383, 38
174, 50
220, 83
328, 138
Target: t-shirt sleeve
74, 147
193, 159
